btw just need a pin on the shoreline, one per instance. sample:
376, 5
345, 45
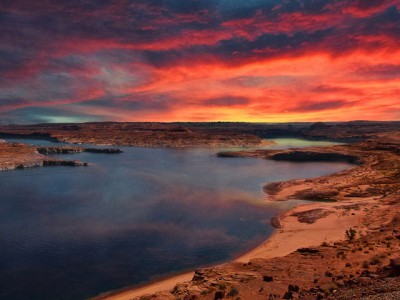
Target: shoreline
282, 242
309, 226
356, 193
130, 292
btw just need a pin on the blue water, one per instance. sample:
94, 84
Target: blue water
71, 233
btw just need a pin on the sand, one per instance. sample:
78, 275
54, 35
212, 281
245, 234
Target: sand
292, 236
295, 235
165, 284
363, 196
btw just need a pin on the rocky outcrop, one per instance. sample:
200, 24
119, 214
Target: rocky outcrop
328, 154
312, 194
74, 150
311, 216
276, 222
273, 188
21, 156
103, 150
69, 163
394, 267
59, 150
310, 156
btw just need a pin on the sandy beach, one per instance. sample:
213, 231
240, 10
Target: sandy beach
356, 198
151, 288
292, 236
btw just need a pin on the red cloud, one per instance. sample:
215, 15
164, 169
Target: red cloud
256, 68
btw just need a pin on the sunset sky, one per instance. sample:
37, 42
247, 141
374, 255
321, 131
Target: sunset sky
199, 60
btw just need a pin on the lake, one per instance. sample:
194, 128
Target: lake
71, 233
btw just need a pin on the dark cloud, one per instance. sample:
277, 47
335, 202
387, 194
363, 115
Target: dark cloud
307, 106
382, 71
134, 103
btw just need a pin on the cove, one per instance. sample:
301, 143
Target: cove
71, 233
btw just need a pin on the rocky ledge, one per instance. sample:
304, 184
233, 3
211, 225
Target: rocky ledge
59, 150
74, 150
70, 163
298, 155
20, 156
104, 150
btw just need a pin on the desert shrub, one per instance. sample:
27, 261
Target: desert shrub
233, 292
222, 286
365, 264
350, 234
339, 253
375, 260
175, 289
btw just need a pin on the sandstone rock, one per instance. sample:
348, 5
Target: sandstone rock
307, 156
70, 163
219, 295
293, 288
395, 267
59, 150
191, 297
288, 295
273, 188
308, 250
328, 288
311, 216
364, 280
340, 282
104, 150
267, 278
276, 222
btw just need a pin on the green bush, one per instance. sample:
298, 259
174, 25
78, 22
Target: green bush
350, 234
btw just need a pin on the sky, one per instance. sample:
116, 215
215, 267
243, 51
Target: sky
199, 60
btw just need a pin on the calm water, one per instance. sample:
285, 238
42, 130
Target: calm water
71, 233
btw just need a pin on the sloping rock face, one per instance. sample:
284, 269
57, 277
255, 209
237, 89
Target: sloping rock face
15, 155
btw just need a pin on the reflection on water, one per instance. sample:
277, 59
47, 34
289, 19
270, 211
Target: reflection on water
70, 233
